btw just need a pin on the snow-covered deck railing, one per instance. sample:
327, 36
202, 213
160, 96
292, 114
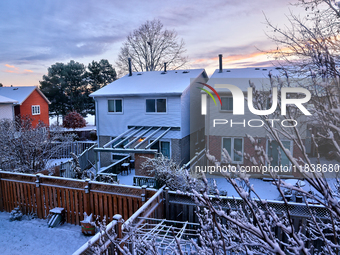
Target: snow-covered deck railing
144, 180
77, 148
146, 210
199, 156
186, 205
87, 157
114, 167
102, 240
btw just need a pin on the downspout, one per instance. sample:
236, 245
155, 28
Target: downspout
97, 156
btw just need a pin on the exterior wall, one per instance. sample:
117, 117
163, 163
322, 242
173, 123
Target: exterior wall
105, 157
215, 149
134, 114
35, 99
7, 111
180, 150
214, 112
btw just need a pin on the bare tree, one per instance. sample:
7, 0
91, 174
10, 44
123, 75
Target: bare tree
311, 41
149, 47
24, 148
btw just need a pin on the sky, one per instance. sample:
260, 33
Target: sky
36, 34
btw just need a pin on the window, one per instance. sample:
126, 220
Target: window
115, 105
162, 147
274, 152
234, 146
156, 105
35, 109
227, 103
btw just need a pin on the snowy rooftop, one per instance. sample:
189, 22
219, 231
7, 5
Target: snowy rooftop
156, 82
19, 93
241, 76
6, 100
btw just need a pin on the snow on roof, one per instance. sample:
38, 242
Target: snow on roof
20, 93
240, 77
6, 100
154, 82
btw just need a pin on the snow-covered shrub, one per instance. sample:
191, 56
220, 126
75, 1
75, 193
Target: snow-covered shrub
16, 214
168, 172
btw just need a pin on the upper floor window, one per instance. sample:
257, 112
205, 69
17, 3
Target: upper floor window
156, 105
115, 105
35, 109
227, 103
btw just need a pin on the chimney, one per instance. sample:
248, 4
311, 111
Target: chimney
165, 67
220, 62
130, 69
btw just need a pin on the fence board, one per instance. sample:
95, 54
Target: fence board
72, 206
76, 203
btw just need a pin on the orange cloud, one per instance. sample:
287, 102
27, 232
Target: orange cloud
28, 71
9, 66
10, 71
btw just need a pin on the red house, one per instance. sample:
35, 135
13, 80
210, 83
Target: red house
31, 102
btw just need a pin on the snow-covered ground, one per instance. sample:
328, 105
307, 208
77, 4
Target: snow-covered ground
34, 237
89, 119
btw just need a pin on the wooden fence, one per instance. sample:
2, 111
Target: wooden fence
39, 194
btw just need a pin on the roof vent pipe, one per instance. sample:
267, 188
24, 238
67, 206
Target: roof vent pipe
130, 69
165, 67
220, 62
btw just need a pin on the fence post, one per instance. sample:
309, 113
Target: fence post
167, 208
1, 197
38, 197
87, 202
143, 195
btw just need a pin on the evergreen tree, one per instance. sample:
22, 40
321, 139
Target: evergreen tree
99, 74
65, 86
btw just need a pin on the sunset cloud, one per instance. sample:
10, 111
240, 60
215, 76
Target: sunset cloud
16, 70
10, 66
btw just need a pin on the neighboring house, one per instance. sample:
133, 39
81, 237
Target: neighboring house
147, 112
233, 137
30, 101
7, 108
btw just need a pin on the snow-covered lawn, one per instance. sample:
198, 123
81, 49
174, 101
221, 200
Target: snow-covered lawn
34, 237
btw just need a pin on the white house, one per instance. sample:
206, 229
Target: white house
7, 107
147, 112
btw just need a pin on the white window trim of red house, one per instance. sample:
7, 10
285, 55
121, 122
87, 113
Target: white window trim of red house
35, 109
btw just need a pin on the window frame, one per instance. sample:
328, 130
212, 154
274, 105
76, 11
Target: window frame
35, 107
155, 98
221, 110
233, 148
160, 148
291, 149
110, 99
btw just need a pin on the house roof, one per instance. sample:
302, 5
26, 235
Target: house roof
240, 77
173, 82
20, 93
6, 100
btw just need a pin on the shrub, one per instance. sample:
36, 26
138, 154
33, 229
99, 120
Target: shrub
74, 120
